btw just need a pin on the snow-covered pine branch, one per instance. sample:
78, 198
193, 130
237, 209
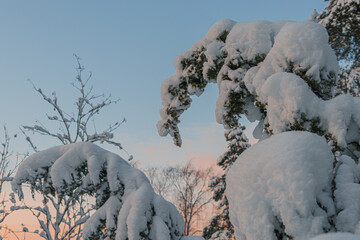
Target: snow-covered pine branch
126, 205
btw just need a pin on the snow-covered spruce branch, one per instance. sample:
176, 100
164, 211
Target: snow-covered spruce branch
126, 205
239, 65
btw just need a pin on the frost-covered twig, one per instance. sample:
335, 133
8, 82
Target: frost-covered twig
8, 165
60, 223
74, 124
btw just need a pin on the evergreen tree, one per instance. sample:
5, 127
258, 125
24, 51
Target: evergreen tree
220, 226
282, 74
342, 21
349, 81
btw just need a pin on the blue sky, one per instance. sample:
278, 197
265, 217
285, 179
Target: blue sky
129, 46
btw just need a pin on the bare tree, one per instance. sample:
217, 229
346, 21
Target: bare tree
160, 180
74, 126
8, 165
186, 187
7, 232
191, 192
5, 172
63, 216
60, 217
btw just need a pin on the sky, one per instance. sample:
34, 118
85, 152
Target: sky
129, 46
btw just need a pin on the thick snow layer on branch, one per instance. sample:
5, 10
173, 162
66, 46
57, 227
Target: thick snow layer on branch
333, 7
280, 185
219, 27
288, 97
241, 57
347, 195
252, 39
304, 48
132, 207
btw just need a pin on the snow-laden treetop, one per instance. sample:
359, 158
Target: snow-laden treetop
127, 207
280, 73
334, 6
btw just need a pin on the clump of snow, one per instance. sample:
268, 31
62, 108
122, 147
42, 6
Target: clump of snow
278, 182
252, 39
337, 236
132, 207
287, 97
302, 46
219, 27
313, 16
347, 195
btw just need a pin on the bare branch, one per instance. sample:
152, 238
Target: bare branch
186, 187
74, 127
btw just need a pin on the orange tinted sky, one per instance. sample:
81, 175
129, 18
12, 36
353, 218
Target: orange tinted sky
130, 47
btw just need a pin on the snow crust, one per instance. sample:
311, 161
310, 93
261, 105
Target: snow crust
132, 204
278, 181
